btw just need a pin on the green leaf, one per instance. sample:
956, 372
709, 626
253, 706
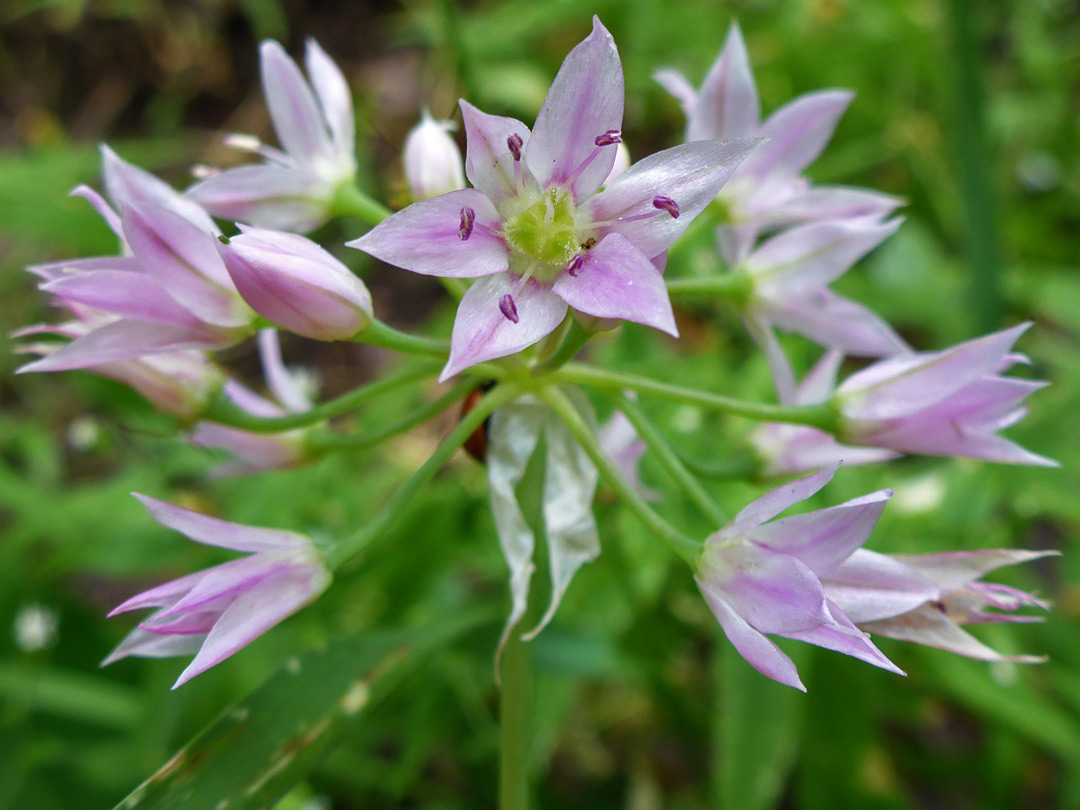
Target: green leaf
264, 744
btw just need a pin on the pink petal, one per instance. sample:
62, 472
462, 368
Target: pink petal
50, 271
105, 211
824, 538
762, 333
265, 195
834, 202
584, 102
616, 280
759, 652
282, 383
120, 292
427, 238
775, 501
818, 384
727, 106
214, 532
163, 595
869, 587
221, 585
489, 163
835, 322
252, 614
677, 85
335, 99
144, 644
186, 263
843, 637
799, 132
481, 330
952, 570
297, 120
690, 174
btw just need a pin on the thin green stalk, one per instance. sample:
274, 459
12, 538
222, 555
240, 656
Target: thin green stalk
349, 201
223, 411
573, 343
320, 443
675, 540
515, 723
821, 416
736, 286
341, 552
381, 334
739, 465
670, 461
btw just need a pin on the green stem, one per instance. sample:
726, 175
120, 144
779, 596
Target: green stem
341, 552
822, 416
675, 540
349, 201
223, 411
740, 465
320, 443
573, 343
381, 334
671, 462
515, 723
737, 286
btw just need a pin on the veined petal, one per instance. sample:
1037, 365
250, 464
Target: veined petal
50, 271
512, 438
335, 99
120, 292
808, 257
824, 538
869, 587
902, 385
570, 481
837, 323
296, 117
186, 263
489, 163
775, 501
481, 330
728, 105
253, 613
131, 187
952, 570
690, 174
760, 653
616, 280
265, 195
843, 637
585, 101
161, 596
214, 532
144, 644
427, 238
798, 133
221, 584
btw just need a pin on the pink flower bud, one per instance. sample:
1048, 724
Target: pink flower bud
297, 285
433, 164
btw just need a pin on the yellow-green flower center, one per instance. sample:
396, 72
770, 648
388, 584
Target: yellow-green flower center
546, 230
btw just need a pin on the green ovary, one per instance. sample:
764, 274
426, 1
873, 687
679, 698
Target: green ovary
546, 230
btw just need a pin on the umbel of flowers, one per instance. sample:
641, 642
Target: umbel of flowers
555, 238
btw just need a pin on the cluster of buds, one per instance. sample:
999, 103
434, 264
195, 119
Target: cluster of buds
555, 236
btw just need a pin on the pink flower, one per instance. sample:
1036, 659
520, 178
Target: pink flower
766, 578
947, 403
535, 232
432, 160
768, 188
293, 190
217, 612
926, 598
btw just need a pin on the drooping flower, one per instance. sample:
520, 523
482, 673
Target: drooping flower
168, 291
432, 160
768, 188
570, 481
787, 279
946, 403
217, 612
766, 578
254, 452
793, 449
294, 189
296, 284
533, 230
927, 598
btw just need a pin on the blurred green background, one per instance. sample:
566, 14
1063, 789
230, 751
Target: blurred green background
970, 111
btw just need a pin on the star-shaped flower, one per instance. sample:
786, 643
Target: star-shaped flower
534, 230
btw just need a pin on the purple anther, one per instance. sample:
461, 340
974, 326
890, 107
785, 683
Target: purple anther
508, 308
468, 217
667, 204
514, 143
608, 138
573, 267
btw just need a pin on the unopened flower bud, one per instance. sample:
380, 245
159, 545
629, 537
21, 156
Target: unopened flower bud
433, 164
297, 285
